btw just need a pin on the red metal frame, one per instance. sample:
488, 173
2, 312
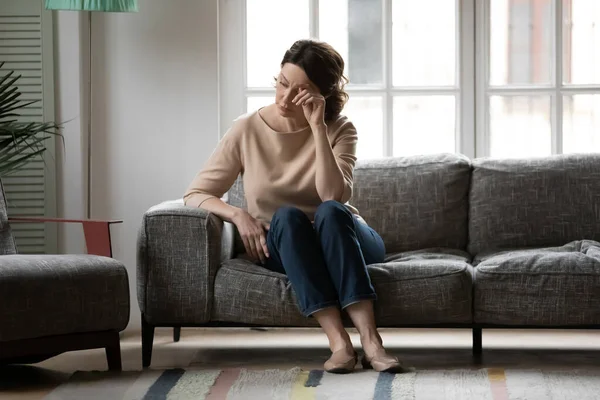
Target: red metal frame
96, 232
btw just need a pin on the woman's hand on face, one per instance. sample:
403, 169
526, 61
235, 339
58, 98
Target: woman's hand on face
313, 105
253, 233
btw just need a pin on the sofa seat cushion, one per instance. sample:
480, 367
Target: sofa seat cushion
556, 286
424, 287
430, 286
248, 293
437, 253
47, 295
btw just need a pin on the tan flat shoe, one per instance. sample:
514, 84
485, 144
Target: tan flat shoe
383, 362
341, 362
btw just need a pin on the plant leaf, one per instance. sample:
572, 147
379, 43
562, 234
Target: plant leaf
14, 106
15, 164
9, 83
20, 142
9, 93
5, 77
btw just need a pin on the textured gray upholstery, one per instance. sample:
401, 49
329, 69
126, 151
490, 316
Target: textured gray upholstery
536, 202
415, 202
46, 295
235, 195
426, 287
179, 251
545, 287
248, 293
7, 241
531, 228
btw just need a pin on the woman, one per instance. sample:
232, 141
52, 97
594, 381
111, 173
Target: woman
297, 158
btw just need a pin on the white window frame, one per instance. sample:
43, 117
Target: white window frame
472, 89
232, 79
555, 89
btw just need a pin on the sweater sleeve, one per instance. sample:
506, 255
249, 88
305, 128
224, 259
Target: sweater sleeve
344, 149
219, 172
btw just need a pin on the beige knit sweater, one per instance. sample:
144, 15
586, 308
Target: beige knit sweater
278, 168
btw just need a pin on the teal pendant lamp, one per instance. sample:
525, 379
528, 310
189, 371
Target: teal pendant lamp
91, 6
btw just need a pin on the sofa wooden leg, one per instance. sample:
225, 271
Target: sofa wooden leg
477, 342
176, 333
113, 353
147, 341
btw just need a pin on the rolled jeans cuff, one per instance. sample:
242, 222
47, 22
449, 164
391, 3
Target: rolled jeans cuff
357, 298
307, 312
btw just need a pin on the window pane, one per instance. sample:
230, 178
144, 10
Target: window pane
424, 42
270, 32
366, 113
581, 123
354, 29
424, 125
254, 103
581, 41
520, 42
520, 126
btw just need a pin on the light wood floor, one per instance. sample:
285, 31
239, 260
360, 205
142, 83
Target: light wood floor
307, 348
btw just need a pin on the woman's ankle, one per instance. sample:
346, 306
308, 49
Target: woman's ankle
371, 336
371, 343
341, 343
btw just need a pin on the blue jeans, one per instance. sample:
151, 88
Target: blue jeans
326, 263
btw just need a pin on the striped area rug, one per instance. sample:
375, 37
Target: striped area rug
296, 384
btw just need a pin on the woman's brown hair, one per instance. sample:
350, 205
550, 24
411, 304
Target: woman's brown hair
324, 66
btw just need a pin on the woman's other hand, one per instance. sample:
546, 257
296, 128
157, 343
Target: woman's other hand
253, 233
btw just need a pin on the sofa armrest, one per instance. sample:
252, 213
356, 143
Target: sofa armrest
179, 251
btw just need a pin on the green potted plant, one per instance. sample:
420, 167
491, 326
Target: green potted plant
20, 142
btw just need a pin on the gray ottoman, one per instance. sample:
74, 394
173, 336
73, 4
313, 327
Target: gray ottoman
55, 303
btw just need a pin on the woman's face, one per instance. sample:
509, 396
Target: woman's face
290, 79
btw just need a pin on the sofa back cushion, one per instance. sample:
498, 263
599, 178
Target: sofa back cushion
534, 202
412, 202
415, 202
7, 240
235, 195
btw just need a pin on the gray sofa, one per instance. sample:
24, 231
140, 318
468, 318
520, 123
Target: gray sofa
474, 244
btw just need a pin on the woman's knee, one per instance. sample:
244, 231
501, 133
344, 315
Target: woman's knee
289, 215
331, 209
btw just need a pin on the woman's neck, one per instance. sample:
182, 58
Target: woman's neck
290, 124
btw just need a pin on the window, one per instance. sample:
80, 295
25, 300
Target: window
542, 77
505, 78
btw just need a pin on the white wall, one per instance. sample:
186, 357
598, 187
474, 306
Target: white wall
154, 114
69, 100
